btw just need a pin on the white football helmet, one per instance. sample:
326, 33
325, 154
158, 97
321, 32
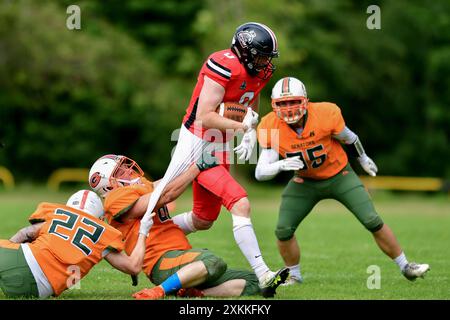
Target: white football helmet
87, 201
289, 99
112, 171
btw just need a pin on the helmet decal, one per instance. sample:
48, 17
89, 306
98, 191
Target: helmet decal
245, 38
95, 179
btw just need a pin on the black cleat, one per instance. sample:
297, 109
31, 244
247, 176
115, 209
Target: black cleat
271, 282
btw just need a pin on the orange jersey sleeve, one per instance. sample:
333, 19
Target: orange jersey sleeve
265, 128
42, 212
120, 200
72, 241
322, 155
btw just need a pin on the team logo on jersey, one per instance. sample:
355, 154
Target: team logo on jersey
246, 37
311, 134
243, 85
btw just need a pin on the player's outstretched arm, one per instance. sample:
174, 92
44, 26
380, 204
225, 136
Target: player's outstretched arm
175, 188
27, 234
356, 149
129, 264
269, 166
210, 97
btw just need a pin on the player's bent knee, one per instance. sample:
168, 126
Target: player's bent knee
374, 224
242, 206
215, 266
284, 234
201, 224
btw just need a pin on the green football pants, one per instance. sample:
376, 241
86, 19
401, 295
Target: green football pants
299, 198
16, 279
218, 273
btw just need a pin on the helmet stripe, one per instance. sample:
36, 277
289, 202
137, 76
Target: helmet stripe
272, 35
83, 199
285, 86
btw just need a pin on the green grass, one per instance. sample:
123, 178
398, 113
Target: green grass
336, 249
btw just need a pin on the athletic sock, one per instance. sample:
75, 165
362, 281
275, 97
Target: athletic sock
294, 271
246, 240
401, 261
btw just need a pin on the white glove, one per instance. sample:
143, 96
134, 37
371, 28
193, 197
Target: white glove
292, 163
146, 224
250, 120
244, 150
368, 165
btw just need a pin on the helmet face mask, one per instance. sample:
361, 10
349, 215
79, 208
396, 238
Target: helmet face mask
113, 171
255, 45
290, 110
289, 100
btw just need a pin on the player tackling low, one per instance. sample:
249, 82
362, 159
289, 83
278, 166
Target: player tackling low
308, 137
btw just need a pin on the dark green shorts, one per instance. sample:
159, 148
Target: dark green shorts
16, 279
299, 198
218, 273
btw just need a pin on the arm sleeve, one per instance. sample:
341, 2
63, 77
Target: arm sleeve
346, 136
268, 165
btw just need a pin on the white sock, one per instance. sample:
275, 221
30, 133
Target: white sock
401, 261
185, 222
246, 240
294, 271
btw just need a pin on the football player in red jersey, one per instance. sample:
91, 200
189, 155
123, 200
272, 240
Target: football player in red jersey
238, 75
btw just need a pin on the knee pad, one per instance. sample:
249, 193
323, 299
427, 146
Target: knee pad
374, 224
284, 234
215, 266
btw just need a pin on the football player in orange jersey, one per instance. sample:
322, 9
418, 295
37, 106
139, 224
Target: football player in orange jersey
63, 241
170, 262
308, 137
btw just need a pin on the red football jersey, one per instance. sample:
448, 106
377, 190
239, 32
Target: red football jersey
225, 68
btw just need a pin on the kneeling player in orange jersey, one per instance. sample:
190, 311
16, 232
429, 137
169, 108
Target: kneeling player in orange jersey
308, 137
170, 262
63, 240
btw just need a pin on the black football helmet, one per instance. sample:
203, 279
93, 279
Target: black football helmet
255, 45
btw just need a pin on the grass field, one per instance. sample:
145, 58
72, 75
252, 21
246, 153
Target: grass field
336, 249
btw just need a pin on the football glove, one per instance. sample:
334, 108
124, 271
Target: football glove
206, 161
250, 120
146, 224
368, 165
245, 149
292, 163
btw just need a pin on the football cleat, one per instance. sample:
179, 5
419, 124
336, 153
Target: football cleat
413, 270
270, 281
150, 294
190, 293
291, 280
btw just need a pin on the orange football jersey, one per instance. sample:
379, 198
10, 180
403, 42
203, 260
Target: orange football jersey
68, 241
164, 234
322, 155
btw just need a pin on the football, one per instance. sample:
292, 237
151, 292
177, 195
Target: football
232, 110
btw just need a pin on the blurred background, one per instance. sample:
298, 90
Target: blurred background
122, 83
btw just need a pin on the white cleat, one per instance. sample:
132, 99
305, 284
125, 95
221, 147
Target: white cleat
292, 280
413, 270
